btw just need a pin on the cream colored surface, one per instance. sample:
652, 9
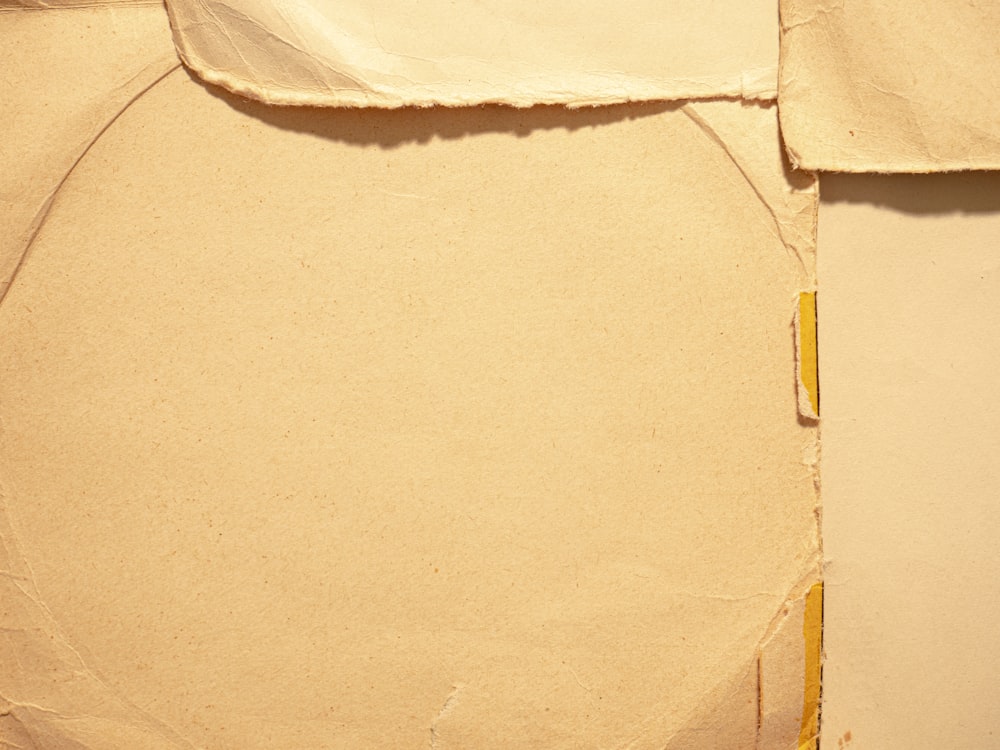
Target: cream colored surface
67, 74
891, 86
387, 53
433, 428
909, 325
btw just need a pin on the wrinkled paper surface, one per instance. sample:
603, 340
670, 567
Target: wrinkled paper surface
877, 86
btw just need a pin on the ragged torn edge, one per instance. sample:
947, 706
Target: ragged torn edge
807, 356
251, 57
590, 92
268, 55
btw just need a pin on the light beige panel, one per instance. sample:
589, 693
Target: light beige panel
910, 366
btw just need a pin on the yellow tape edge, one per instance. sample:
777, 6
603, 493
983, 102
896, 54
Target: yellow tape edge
808, 354
812, 632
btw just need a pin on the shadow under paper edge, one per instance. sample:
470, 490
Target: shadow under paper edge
918, 194
391, 128
921, 194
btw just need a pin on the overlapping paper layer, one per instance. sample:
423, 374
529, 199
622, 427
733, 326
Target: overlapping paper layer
390, 53
877, 86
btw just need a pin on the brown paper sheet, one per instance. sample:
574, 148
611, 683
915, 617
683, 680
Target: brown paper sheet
414, 428
909, 325
391, 53
877, 86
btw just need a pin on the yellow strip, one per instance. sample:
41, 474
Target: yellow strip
808, 356
812, 631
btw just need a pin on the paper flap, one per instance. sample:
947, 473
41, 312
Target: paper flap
388, 53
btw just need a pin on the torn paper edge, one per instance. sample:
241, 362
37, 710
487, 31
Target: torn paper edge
336, 79
358, 88
806, 356
625, 91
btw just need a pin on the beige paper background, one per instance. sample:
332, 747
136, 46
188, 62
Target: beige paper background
909, 325
891, 86
67, 73
356, 429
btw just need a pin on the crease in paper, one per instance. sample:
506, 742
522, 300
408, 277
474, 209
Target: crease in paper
47, 130
787, 196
